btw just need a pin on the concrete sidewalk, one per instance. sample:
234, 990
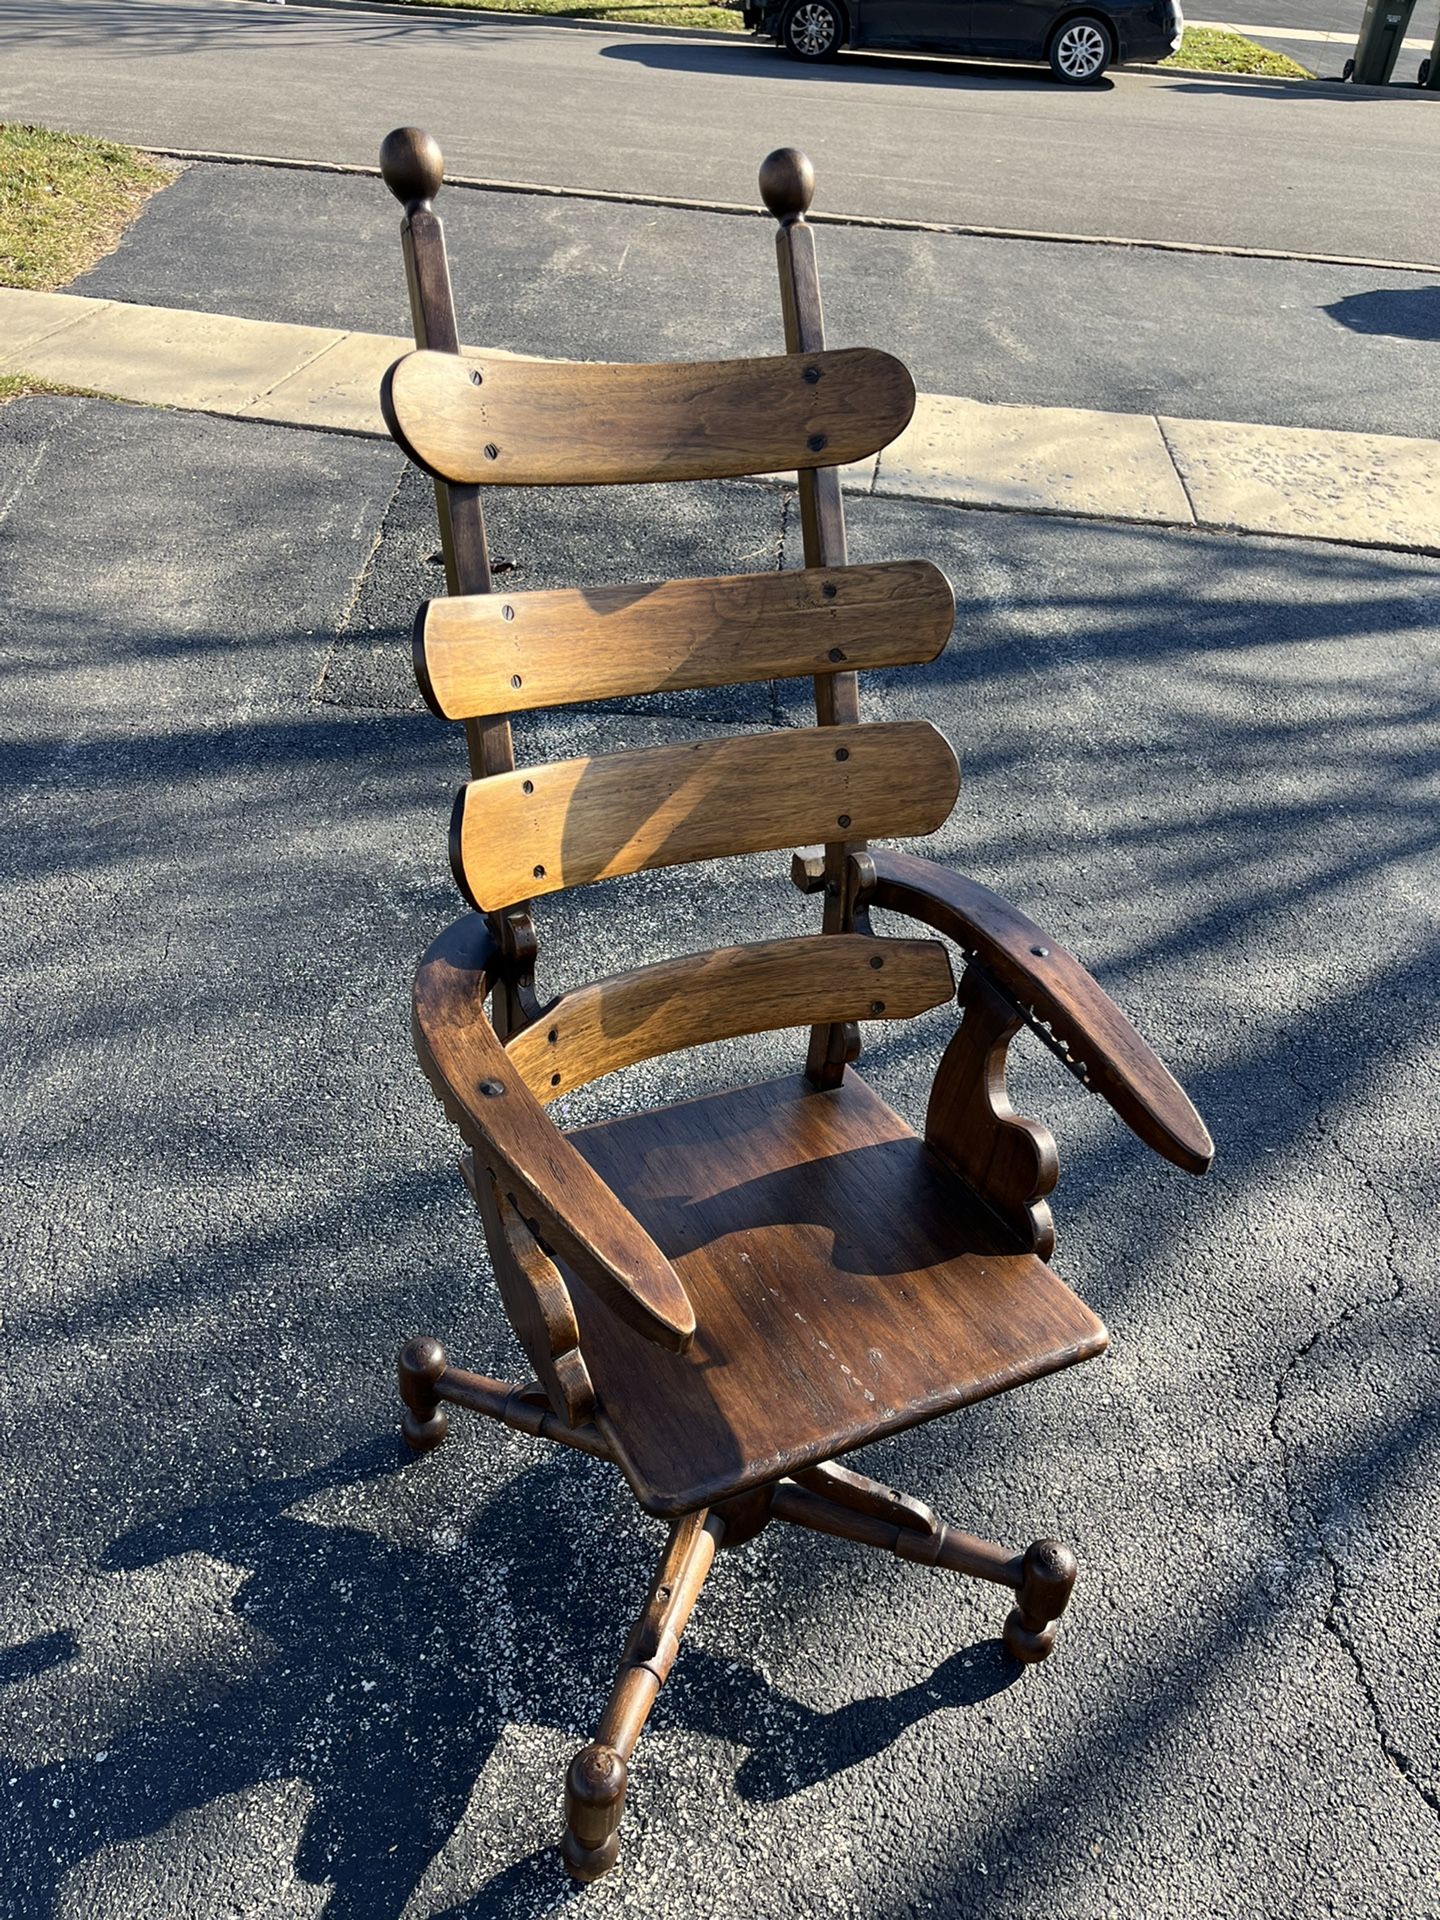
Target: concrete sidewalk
1362, 489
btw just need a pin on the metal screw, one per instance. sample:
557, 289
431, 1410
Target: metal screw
812, 375
553, 1035
492, 1089
507, 612
527, 786
816, 443
492, 452
877, 1006
876, 962
830, 589
477, 378
844, 820
539, 873
842, 753
1041, 953
515, 680
554, 1079
837, 653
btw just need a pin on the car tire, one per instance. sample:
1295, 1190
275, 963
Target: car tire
1081, 49
812, 30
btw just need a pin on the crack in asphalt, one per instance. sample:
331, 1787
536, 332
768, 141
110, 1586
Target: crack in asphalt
1298, 1505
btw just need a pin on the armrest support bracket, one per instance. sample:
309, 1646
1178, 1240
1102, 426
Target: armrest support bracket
1051, 992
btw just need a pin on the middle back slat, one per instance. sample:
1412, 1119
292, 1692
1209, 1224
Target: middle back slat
483, 654
561, 825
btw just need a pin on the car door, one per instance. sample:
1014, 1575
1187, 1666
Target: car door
1014, 29
941, 25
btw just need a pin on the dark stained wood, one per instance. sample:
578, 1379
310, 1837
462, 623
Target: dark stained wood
1009, 1164
814, 1500
504, 653
1042, 977
703, 997
723, 1297
551, 423
595, 1784
413, 168
845, 1287
537, 1301
534, 1165
787, 184
573, 821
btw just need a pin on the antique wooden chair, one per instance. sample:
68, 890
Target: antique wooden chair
724, 1296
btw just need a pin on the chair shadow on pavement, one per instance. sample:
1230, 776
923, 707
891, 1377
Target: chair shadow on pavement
1402, 313
391, 1673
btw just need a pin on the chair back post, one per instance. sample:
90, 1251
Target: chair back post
413, 168
787, 186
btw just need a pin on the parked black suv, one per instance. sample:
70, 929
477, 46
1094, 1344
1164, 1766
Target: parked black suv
1079, 41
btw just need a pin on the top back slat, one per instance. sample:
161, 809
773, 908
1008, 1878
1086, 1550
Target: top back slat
543, 423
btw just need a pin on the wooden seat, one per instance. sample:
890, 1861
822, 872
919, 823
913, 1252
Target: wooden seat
722, 1297
845, 1283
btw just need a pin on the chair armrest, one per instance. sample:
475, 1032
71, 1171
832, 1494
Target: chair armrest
511, 1133
1042, 978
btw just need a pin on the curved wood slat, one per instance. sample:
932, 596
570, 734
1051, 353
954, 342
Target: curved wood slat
492, 653
701, 997
548, 423
1038, 973
514, 1138
542, 828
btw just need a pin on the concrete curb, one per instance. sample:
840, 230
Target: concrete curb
753, 211
1354, 489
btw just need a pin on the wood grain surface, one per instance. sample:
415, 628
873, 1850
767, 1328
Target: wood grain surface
546, 827
495, 653
513, 1138
1037, 972
548, 423
702, 997
845, 1287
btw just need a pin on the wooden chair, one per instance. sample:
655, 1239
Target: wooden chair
724, 1297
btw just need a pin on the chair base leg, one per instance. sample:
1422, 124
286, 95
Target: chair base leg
598, 1775
834, 1500
425, 1422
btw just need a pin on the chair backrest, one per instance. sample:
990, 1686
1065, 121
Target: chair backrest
480, 655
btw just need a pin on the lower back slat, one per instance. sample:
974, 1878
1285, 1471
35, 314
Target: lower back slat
542, 828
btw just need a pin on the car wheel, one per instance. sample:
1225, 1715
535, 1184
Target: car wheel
813, 30
1081, 51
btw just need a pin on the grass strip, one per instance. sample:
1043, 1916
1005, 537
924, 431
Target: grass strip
65, 200
1216, 50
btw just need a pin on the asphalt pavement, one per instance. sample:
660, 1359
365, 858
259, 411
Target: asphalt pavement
1199, 336
253, 1663
1312, 169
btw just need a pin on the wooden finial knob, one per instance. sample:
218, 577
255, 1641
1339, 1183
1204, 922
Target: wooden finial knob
411, 165
787, 184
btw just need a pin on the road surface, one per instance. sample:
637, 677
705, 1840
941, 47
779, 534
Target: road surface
1168, 157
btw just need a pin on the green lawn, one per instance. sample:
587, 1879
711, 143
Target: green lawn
1211, 50
65, 201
